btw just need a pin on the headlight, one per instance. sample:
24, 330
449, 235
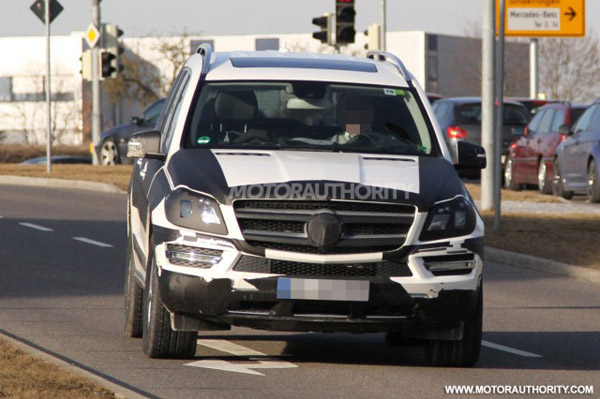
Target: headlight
453, 218
194, 211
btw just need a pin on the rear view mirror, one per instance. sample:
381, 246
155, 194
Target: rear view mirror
145, 145
564, 129
470, 156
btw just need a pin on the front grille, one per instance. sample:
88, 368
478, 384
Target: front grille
253, 264
185, 255
365, 227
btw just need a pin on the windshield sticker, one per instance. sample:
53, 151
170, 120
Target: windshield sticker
203, 140
389, 92
400, 92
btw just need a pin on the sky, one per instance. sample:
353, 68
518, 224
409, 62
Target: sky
222, 17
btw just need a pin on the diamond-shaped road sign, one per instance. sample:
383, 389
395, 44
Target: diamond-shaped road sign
39, 9
92, 35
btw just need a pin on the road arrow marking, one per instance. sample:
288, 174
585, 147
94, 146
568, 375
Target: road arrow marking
264, 362
508, 349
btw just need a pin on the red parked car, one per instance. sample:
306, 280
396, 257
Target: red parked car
531, 157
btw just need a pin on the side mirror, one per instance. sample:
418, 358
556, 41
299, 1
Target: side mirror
470, 156
136, 120
145, 145
565, 129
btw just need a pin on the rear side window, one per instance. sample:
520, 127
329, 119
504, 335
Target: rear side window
546, 121
535, 122
583, 122
470, 114
559, 119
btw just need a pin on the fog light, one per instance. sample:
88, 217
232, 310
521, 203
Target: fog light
183, 255
450, 264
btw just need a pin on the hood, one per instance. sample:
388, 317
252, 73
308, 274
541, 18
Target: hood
234, 174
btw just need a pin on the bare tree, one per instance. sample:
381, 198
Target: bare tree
569, 68
141, 80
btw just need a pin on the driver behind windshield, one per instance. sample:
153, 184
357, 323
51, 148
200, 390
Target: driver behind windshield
356, 114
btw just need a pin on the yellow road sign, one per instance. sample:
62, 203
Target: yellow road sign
92, 35
543, 18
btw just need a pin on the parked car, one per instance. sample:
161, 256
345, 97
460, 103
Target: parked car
58, 159
302, 192
112, 147
532, 104
578, 157
460, 119
531, 157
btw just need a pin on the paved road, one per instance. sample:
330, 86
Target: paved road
62, 265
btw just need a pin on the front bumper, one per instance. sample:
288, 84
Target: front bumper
415, 302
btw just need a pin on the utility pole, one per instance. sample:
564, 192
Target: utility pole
383, 24
533, 68
95, 81
499, 117
48, 92
487, 104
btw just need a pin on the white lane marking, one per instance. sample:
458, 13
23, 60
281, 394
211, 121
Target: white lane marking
92, 242
1, 217
35, 226
264, 362
508, 349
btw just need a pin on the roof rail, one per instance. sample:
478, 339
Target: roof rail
205, 50
397, 62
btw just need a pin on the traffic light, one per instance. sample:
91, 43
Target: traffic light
373, 34
86, 65
110, 56
344, 22
107, 65
325, 22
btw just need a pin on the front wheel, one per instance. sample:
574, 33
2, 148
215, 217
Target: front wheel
133, 297
160, 340
558, 187
544, 183
509, 180
109, 153
593, 183
464, 352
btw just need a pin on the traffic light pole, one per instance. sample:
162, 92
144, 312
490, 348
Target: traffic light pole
95, 82
383, 24
487, 105
48, 92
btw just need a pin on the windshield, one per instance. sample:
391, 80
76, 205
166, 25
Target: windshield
470, 114
317, 116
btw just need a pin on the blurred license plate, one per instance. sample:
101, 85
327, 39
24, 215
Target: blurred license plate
323, 290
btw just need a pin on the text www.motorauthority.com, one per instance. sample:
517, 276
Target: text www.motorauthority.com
519, 389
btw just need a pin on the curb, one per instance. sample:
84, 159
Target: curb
541, 265
62, 183
119, 391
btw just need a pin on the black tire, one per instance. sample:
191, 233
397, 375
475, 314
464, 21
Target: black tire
558, 189
593, 183
109, 153
544, 182
464, 352
509, 181
159, 340
133, 298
